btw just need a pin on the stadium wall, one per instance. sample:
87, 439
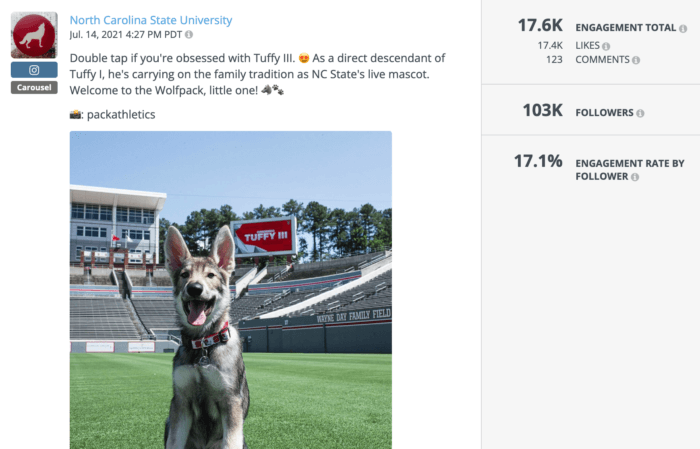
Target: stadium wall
79, 271
337, 263
157, 292
243, 282
377, 265
95, 290
365, 331
91, 346
261, 274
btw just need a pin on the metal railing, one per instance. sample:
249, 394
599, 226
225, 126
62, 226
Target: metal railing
327, 257
358, 297
155, 337
88, 265
279, 275
359, 253
372, 261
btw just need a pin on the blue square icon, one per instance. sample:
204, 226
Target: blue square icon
34, 69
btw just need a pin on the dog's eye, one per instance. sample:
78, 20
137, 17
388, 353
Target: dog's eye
211, 275
184, 275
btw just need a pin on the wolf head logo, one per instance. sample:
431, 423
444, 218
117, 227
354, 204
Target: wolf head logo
38, 35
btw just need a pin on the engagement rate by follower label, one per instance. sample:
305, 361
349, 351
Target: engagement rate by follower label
603, 165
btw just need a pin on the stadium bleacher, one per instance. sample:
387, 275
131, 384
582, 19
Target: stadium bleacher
156, 313
371, 301
375, 293
102, 317
250, 306
99, 318
156, 281
77, 279
312, 270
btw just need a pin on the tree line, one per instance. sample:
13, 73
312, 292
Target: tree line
323, 233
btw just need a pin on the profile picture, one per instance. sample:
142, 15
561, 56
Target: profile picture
34, 35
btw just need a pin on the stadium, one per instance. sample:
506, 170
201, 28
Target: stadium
314, 316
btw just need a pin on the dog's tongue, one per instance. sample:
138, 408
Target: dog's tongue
197, 317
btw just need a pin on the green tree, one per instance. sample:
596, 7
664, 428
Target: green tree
316, 224
194, 233
358, 239
333, 233
368, 216
266, 212
382, 236
213, 220
163, 225
296, 209
339, 234
292, 207
303, 250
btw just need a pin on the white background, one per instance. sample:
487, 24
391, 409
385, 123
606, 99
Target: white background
435, 133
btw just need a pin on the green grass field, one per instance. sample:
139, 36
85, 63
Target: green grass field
296, 400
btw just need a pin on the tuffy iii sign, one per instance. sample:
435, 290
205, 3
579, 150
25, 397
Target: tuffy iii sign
265, 237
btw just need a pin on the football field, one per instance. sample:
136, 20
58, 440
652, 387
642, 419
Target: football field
296, 400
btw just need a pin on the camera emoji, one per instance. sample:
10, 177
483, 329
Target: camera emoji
33, 70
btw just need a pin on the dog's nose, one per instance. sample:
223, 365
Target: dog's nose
195, 289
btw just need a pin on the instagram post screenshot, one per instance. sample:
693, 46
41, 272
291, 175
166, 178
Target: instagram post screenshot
358, 224
245, 220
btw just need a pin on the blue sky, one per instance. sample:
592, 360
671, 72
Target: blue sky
204, 170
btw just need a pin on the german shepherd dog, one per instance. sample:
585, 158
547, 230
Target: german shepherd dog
210, 391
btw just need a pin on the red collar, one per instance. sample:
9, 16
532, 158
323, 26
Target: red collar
210, 340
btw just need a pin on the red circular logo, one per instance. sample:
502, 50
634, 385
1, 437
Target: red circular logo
34, 35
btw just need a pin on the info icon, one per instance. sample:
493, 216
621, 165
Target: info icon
33, 35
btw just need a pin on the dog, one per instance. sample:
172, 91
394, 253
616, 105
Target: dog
38, 35
210, 390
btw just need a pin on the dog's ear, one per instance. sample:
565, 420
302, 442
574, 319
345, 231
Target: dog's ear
222, 250
176, 251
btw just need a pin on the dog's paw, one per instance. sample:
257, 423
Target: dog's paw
274, 86
281, 92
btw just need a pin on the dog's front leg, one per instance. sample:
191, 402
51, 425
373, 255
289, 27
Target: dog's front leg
180, 424
233, 425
